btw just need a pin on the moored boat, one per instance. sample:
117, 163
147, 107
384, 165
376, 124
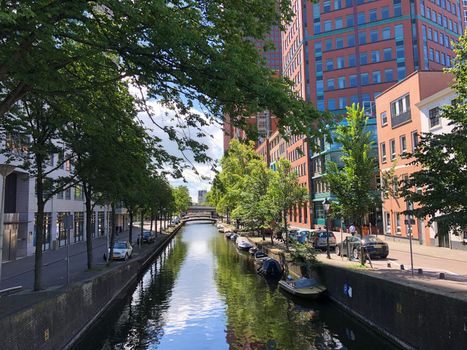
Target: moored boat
243, 243
270, 268
303, 287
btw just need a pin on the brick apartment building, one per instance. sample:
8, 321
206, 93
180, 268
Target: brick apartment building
338, 52
406, 111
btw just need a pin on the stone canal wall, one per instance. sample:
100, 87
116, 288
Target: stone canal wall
412, 315
59, 320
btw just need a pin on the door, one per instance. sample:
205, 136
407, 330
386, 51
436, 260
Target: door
10, 237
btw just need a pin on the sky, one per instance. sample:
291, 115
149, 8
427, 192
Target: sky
214, 141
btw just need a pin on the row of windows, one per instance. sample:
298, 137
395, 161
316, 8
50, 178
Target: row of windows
362, 18
301, 211
402, 147
376, 78
442, 39
300, 170
440, 57
440, 19
374, 56
343, 101
374, 36
67, 194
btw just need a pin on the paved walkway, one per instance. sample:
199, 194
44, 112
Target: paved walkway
54, 269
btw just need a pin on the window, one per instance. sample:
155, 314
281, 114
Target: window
342, 102
430, 34
352, 60
437, 56
339, 23
60, 195
414, 137
383, 152
397, 9
351, 40
384, 12
400, 73
327, 25
362, 38
364, 79
350, 21
328, 45
376, 77
374, 36
326, 6
78, 193
386, 33
400, 111
434, 115
403, 144
352, 80
339, 43
384, 118
398, 222
435, 36
68, 193
375, 56
363, 58
330, 84
353, 99
373, 15
388, 75
340, 62
341, 82
432, 54
331, 104
329, 64
337, 4
392, 148
387, 53
361, 18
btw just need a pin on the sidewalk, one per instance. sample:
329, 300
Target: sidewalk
21, 272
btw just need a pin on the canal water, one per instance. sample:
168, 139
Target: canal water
201, 293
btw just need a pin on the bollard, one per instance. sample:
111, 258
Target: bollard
402, 267
420, 271
389, 265
442, 276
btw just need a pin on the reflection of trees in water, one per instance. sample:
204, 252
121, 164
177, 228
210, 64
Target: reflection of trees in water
138, 322
258, 316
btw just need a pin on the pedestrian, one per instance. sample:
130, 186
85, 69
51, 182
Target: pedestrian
352, 229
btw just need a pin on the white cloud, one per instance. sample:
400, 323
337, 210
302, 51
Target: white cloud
166, 117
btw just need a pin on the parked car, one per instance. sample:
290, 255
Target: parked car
373, 245
175, 220
148, 236
318, 239
122, 250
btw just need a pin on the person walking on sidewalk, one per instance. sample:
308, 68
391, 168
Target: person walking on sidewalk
352, 229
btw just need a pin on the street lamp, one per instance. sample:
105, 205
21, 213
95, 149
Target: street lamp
5, 170
326, 206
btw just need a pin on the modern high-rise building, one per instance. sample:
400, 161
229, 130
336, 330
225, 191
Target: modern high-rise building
340, 52
202, 196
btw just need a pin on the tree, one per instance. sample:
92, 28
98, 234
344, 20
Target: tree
180, 52
182, 199
253, 207
353, 183
443, 159
283, 193
32, 134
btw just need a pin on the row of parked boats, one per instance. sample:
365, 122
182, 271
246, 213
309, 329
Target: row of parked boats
272, 269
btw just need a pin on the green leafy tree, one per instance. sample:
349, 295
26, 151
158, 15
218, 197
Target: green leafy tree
304, 255
253, 207
179, 52
182, 199
283, 193
443, 160
353, 184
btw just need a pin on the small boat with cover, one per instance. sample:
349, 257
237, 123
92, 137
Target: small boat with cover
303, 287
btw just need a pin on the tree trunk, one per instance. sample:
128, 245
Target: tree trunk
140, 240
286, 231
39, 225
88, 205
152, 220
112, 234
130, 232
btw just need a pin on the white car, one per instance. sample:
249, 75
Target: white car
122, 250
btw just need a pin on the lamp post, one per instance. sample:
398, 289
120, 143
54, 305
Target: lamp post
5, 170
326, 206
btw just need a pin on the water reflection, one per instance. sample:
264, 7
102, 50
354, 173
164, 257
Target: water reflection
202, 294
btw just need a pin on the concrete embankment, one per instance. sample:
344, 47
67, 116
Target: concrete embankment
412, 314
58, 319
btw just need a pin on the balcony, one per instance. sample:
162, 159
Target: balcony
400, 119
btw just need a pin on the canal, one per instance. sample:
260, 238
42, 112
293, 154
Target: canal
200, 293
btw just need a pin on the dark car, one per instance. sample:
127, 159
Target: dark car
148, 236
374, 246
